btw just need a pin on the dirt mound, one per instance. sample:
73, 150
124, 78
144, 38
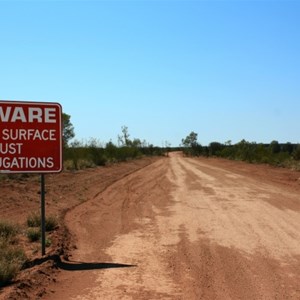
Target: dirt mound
20, 196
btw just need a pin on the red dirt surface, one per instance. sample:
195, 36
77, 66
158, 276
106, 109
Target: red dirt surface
173, 228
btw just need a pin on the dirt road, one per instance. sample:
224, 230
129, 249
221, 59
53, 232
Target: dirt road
184, 228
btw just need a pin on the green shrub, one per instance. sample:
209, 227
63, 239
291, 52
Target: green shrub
296, 153
68, 165
12, 259
33, 234
51, 223
8, 230
84, 164
34, 220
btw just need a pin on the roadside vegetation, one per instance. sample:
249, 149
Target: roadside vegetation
34, 227
12, 256
80, 155
274, 153
34, 221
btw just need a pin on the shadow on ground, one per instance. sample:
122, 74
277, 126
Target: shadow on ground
84, 266
75, 265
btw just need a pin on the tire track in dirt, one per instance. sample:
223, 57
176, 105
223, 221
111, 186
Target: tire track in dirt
245, 248
187, 230
246, 216
118, 212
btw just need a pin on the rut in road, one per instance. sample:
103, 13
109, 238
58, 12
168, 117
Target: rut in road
186, 230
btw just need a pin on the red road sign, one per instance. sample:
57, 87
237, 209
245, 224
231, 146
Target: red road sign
30, 137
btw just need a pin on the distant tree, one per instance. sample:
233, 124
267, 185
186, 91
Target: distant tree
244, 150
215, 148
74, 152
296, 153
191, 145
167, 147
111, 151
288, 147
274, 147
68, 129
95, 152
191, 140
124, 138
137, 143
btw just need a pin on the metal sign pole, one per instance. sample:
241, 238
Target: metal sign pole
43, 215
38, 147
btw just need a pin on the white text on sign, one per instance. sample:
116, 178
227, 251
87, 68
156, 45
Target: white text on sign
28, 115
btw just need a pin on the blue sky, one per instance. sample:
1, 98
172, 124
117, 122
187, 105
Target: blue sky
228, 70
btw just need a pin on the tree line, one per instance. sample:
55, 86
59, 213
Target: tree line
274, 153
91, 153
78, 154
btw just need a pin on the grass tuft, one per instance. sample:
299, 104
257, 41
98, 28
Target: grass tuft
8, 230
51, 223
34, 220
33, 234
12, 259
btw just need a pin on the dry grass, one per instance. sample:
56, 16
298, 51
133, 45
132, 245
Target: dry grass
12, 257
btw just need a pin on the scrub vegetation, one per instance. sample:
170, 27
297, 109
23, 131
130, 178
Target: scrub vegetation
274, 153
79, 155
34, 220
34, 224
12, 257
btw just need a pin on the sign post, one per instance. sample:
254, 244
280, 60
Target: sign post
43, 215
31, 142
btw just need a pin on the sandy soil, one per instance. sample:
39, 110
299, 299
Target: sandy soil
19, 197
182, 228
